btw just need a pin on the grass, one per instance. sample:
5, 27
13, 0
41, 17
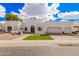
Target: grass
38, 37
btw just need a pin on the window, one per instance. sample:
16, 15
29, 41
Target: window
39, 29
25, 28
9, 28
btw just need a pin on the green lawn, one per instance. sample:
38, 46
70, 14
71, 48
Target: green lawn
38, 37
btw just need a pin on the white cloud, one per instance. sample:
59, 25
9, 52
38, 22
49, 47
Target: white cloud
53, 8
19, 15
49, 17
34, 9
14, 13
2, 21
2, 11
38, 9
22, 14
69, 15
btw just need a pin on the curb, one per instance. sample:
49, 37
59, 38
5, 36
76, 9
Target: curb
65, 44
68, 44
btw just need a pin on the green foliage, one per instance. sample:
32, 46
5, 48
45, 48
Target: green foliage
38, 37
11, 17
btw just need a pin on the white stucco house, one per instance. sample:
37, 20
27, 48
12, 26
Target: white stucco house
41, 27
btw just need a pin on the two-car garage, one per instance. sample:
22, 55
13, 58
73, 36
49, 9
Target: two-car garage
54, 30
59, 30
67, 30
59, 27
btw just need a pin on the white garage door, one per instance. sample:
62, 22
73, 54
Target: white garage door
67, 30
54, 30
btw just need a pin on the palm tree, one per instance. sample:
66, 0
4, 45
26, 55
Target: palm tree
8, 16
11, 17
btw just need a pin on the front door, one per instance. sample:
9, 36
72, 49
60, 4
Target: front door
9, 28
32, 29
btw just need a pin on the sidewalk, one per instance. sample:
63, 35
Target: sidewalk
69, 43
66, 40
12, 43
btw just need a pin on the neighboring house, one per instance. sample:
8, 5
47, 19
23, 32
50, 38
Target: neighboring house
2, 26
41, 27
76, 26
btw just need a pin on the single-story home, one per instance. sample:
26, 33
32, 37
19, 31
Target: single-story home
41, 27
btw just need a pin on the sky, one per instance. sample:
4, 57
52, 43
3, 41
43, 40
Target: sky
63, 11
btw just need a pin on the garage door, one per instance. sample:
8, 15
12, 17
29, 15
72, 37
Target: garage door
54, 30
67, 30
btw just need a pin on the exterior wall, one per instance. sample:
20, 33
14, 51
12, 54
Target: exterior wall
76, 23
46, 27
76, 26
66, 27
13, 24
35, 23
42, 31
54, 30
51, 27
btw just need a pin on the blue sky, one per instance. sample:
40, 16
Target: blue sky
12, 7
67, 7
64, 7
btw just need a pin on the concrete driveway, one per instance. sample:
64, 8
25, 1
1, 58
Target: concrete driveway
64, 37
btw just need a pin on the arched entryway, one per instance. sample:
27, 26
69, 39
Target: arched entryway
32, 29
9, 28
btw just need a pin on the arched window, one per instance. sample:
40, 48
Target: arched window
9, 28
26, 29
39, 29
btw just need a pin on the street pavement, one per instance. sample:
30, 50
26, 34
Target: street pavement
39, 47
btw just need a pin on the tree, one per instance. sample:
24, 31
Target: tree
11, 17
